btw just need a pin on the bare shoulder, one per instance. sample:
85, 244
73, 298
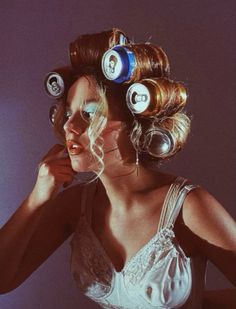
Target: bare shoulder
213, 230
209, 220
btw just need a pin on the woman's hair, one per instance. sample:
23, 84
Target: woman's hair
150, 102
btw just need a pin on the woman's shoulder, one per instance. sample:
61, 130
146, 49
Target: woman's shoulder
213, 230
208, 219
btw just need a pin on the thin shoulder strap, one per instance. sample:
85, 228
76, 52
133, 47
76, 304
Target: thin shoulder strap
179, 202
86, 201
174, 201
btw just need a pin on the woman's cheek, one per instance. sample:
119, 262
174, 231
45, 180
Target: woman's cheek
110, 138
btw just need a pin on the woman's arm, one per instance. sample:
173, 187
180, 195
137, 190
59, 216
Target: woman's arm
214, 230
218, 299
40, 224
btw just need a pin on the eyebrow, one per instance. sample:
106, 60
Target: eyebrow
93, 100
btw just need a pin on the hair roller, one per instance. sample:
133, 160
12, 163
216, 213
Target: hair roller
156, 97
57, 82
52, 113
130, 63
87, 50
159, 143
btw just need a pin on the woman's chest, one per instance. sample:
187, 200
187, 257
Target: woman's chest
123, 235
159, 266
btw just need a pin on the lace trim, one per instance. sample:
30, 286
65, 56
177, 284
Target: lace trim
150, 257
91, 272
99, 267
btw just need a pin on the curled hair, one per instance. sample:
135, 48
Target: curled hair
164, 116
151, 61
96, 126
87, 50
132, 62
171, 96
152, 68
176, 125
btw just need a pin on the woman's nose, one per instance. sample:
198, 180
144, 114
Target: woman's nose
73, 125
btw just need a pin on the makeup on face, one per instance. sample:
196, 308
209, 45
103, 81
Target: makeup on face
74, 147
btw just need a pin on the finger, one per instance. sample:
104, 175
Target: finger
53, 169
64, 179
55, 161
63, 154
51, 164
54, 150
62, 170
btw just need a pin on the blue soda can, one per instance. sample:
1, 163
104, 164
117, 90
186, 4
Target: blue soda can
118, 64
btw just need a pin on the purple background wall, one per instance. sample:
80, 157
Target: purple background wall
199, 38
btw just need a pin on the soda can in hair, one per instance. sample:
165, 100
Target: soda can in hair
159, 143
155, 96
57, 82
118, 64
54, 85
87, 50
141, 99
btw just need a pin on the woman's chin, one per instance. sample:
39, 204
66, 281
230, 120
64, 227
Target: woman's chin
81, 165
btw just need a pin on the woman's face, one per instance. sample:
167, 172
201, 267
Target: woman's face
82, 102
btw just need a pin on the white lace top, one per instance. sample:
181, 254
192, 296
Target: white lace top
159, 275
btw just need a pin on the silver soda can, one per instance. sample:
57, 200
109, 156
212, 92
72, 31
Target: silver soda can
159, 143
54, 85
141, 98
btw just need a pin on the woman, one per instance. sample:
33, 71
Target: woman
141, 238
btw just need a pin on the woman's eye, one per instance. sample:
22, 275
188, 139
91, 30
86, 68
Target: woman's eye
89, 110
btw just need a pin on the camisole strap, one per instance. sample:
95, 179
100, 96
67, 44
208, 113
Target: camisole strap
174, 201
86, 200
179, 202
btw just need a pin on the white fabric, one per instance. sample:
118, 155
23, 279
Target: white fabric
158, 276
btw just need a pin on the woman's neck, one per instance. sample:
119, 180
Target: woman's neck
125, 184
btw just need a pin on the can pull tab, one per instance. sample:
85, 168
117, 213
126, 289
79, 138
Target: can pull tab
54, 85
138, 98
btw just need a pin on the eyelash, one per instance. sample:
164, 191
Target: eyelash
85, 114
91, 110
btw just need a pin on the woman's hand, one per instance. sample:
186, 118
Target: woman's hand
54, 171
40, 224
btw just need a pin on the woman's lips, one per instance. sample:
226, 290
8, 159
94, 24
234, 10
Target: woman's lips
74, 148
